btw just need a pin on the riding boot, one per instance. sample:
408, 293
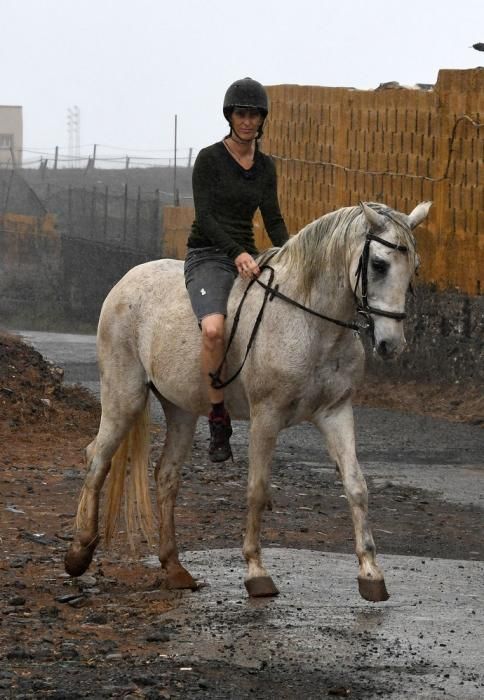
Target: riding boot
220, 432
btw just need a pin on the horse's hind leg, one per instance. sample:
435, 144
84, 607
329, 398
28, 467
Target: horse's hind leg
264, 429
180, 428
338, 428
121, 404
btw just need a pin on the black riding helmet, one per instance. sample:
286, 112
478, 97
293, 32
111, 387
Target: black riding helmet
246, 93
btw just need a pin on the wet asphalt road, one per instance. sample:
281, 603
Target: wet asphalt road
422, 643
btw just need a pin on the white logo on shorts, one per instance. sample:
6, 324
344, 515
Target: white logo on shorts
202, 292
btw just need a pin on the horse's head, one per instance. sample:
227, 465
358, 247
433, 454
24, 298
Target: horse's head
383, 267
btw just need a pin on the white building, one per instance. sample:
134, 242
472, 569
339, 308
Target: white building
11, 136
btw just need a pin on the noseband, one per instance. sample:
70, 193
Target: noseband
362, 307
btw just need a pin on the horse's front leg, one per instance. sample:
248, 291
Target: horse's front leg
338, 428
263, 435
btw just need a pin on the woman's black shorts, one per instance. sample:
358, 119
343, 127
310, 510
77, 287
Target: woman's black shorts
209, 276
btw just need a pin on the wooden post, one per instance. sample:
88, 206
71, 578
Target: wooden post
56, 157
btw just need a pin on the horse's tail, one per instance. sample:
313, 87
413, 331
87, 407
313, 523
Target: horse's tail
129, 464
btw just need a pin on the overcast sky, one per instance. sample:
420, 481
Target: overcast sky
131, 65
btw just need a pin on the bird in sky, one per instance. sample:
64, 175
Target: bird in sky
479, 46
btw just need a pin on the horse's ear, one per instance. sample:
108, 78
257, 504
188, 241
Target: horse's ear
377, 221
418, 214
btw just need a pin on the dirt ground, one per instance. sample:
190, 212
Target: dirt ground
100, 636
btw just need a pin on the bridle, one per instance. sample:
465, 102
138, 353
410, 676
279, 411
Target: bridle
362, 306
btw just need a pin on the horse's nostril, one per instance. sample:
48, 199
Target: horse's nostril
385, 349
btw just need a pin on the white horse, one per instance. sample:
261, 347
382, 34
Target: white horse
303, 365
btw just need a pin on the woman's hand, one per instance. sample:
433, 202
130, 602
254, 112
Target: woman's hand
247, 266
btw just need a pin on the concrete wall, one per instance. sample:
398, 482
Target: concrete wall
445, 339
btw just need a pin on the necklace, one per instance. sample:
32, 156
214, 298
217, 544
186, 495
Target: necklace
238, 158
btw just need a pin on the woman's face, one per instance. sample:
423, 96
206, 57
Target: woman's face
245, 122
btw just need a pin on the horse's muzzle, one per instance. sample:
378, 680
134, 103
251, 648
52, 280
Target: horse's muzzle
388, 349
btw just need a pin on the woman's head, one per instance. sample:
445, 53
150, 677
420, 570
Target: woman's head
246, 98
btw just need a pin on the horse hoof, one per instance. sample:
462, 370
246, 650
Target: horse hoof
181, 580
373, 590
261, 587
78, 558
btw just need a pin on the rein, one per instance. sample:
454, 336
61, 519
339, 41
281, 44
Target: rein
362, 307
217, 383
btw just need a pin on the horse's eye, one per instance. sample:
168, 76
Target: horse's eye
380, 266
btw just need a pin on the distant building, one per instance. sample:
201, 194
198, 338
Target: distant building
11, 136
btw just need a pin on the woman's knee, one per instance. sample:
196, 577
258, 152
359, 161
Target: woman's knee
213, 329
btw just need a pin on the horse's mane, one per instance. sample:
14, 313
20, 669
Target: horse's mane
325, 245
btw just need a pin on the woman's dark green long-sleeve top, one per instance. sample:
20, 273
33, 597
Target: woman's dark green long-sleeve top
226, 198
